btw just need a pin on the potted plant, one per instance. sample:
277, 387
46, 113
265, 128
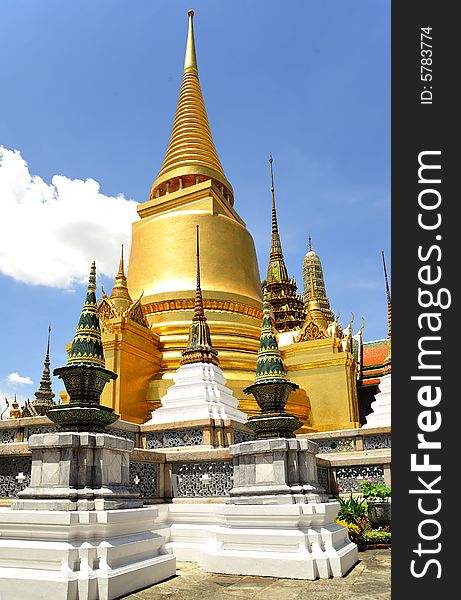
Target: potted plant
377, 496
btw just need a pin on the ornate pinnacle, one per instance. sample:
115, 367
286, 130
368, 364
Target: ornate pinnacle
190, 59
276, 246
44, 395
120, 289
313, 306
269, 367
199, 347
199, 314
276, 270
86, 346
271, 387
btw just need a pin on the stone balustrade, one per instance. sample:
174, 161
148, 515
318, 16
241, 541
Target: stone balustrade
192, 462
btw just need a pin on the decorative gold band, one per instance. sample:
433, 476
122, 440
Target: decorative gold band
208, 304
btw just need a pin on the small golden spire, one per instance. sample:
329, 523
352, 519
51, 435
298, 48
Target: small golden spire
199, 347
190, 59
313, 306
121, 266
120, 289
310, 244
199, 314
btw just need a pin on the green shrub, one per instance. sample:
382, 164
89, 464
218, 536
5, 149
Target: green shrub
374, 490
376, 536
352, 510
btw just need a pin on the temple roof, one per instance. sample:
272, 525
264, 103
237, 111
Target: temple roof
191, 151
374, 356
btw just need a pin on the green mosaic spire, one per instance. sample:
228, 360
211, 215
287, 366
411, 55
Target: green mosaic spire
87, 344
269, 367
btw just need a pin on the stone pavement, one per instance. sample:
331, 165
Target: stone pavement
370, 579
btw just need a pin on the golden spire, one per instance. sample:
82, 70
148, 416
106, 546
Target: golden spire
313, 305
191, 156
199, 347
277, 269
312, 266
190, 59
120, 293
199, 314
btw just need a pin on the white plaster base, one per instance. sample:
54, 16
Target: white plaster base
199, 392
381, 407
80, 555
298, 541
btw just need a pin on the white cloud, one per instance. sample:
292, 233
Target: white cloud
16, 379
50, 233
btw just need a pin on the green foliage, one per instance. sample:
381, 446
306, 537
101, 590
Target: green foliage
374, 490
352, 510
376, 536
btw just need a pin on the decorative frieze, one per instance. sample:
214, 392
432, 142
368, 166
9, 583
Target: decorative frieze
330, 445
8, 436
349, 478
144, 477
195, 480
14, 475
173, 439
28, 431
376, 442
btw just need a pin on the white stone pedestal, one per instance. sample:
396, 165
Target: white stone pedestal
279, 523
381, 407
199, 392
59, 541
80, 555
291, 541
296, 541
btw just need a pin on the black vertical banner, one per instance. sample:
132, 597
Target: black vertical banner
426, 258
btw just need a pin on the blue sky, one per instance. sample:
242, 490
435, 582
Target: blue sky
89, 91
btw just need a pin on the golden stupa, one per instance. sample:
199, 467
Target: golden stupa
143, 338
191, 189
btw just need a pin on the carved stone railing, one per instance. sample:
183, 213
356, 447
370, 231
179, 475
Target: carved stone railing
181, 463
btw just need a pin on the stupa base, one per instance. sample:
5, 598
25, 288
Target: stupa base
80, 555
